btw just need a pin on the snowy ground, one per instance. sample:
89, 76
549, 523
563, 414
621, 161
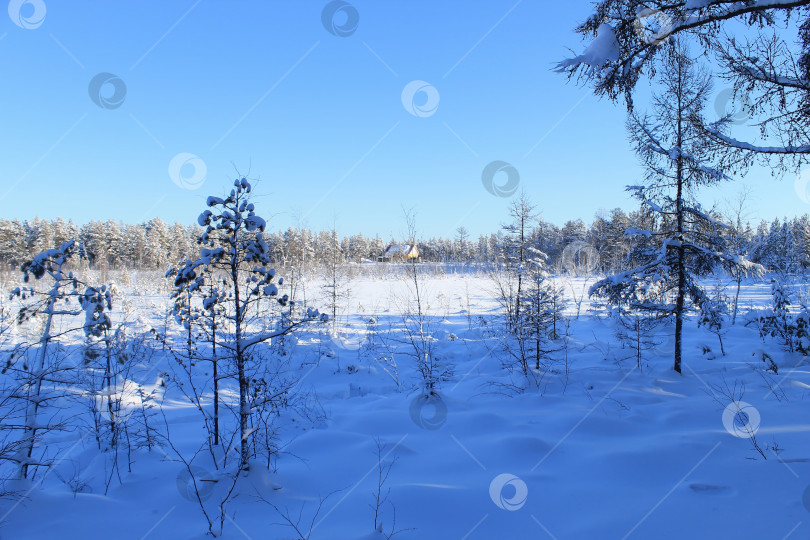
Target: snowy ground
611, 450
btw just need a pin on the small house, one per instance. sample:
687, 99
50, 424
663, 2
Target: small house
400, 253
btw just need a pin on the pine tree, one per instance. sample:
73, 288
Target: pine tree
13, 248
674, 150
39, 235
135, 245
515, 252
768, 68
157, 245
335, 276
61, 298
94, 239
530, 302
542, 303
233, 247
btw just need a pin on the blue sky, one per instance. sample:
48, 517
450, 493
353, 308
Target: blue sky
315, 118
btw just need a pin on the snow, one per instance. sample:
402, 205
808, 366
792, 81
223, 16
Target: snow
399, 249
611, 451
603, 49
800, 149
204, 218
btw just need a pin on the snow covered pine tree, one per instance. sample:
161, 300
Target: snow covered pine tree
768, 69
531, 303
44, 366
687, 243
235, 251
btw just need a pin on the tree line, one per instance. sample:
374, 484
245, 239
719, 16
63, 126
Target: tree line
782, 246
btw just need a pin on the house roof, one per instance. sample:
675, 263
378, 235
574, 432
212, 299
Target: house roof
400, 249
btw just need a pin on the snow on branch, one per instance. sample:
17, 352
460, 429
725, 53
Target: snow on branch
730, 141
628, 33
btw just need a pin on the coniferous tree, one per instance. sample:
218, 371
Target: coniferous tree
769, 75
674, 150
61, 298
335, 275
233, 248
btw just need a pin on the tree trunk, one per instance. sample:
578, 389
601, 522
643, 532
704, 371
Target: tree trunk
736, 298
537, 353
108, 382
244, 412
216, 382
679, 301
679, 320
32, 407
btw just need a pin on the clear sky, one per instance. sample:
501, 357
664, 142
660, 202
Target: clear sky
316, 117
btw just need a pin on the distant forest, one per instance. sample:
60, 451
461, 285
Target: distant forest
782, 246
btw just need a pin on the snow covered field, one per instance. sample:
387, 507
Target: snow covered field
365, 237
600, 448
